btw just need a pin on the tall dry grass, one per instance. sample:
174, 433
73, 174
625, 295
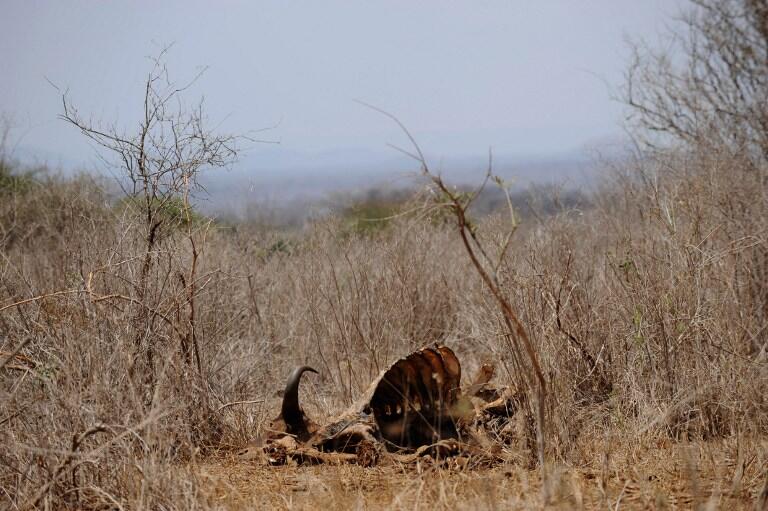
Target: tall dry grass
650, 310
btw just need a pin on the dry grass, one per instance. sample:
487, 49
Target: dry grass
671, 476
649, 312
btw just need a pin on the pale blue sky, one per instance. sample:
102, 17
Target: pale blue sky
526, 77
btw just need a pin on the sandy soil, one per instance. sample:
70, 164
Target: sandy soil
675, 476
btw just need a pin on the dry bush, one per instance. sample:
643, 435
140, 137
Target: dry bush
708, 82
650, 310
137, 339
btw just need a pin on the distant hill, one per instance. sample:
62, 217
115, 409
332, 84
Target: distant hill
298, 184
289, 186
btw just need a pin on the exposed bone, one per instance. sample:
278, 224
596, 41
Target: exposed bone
422, 388
292, 419
481, 379
414, 405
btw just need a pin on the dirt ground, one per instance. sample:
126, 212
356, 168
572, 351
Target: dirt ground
719, 475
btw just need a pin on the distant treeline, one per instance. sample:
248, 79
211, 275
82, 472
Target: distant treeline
379, 203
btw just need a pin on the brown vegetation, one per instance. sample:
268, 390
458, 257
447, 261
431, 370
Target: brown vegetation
139, 350
650, 313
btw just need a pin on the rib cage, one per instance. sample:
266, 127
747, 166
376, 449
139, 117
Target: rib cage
413, 400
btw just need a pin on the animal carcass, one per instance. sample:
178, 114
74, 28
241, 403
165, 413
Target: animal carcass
412, 408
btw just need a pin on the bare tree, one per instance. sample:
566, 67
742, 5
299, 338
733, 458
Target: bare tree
158, 165
524, 350
710, 84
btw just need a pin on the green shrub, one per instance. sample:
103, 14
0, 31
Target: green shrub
369, 218
13, 180
172, 211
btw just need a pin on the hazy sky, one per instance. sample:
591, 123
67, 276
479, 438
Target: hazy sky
526, 77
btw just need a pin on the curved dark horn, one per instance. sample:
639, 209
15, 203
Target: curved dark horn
291, 411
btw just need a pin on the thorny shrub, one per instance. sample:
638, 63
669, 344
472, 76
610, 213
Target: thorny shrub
651, 310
